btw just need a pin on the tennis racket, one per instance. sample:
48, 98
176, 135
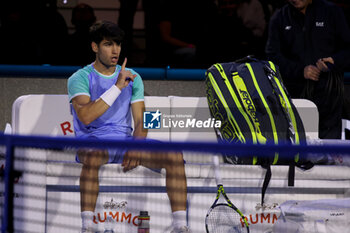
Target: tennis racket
224, 217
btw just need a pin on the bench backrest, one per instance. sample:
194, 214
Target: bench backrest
51, 115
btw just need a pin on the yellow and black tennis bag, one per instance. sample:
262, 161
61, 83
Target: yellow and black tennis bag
250, 100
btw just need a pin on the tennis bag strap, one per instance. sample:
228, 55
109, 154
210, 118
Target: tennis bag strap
266, 182
267, 178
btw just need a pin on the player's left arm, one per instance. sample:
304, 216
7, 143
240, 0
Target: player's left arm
138, 107
137, 112
133, 158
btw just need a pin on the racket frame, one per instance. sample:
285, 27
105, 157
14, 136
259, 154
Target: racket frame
221, 192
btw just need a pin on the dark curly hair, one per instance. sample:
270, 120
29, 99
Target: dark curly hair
106, 30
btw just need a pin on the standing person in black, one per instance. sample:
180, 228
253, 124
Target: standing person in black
128, 9
310, 42
178, 31
79, 44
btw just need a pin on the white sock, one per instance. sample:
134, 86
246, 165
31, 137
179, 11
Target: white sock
179, 219
87, 218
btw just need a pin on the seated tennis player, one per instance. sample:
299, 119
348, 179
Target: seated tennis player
101, 95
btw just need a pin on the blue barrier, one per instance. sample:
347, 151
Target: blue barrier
37, 70
59, 143
48, 71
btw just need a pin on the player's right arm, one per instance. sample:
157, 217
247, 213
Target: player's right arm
87, 110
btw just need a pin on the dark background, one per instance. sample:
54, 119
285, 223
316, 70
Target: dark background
40, 32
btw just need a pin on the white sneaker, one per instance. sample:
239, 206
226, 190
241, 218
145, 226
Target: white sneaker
184, 229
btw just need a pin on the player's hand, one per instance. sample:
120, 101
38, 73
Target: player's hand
312, 72
131, 160
125, 77
321, 63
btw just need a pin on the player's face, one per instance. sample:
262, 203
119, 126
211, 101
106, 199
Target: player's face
107, 52
300, 4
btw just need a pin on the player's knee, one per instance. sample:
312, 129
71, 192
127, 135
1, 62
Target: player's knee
174, 159
93, 159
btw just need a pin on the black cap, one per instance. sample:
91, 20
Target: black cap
143, 213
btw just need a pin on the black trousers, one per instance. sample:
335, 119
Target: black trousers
330, 106
327, 94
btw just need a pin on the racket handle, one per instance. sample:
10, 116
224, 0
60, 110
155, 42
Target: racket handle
216, 170
216, 160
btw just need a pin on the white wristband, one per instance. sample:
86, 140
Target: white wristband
111, 95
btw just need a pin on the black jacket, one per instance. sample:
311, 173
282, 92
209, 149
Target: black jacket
296, 40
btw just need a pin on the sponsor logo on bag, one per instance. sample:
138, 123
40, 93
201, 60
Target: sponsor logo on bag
249, 104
